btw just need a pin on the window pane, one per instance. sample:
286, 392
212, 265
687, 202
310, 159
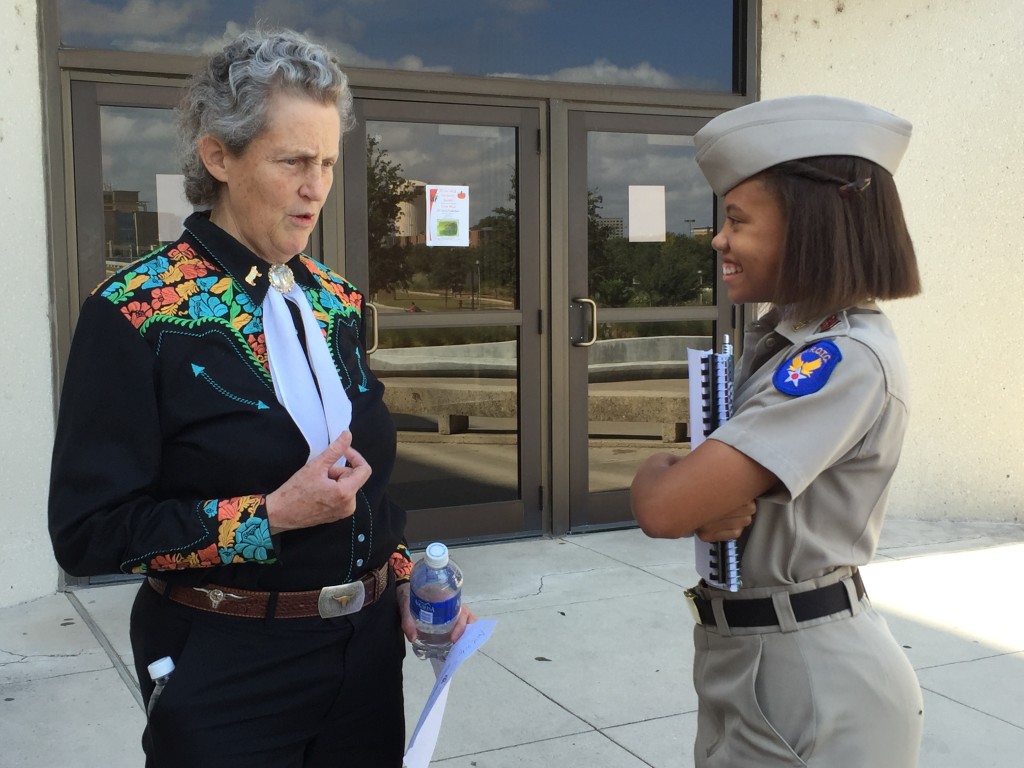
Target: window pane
143, 195
408, 274
650, 222
454, 396
656, 44
638, 396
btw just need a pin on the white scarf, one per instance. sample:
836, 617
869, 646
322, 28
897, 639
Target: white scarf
320, 420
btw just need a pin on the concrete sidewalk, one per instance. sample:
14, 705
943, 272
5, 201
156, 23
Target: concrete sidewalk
589, 664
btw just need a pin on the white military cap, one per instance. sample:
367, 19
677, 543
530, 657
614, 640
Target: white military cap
747, 140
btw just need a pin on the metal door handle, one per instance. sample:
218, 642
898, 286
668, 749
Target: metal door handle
372, 310
593, 322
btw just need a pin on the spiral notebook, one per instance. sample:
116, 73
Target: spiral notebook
711, 393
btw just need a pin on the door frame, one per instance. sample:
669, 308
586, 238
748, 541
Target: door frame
529, 515
585, 511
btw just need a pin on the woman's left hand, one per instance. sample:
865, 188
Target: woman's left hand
466, 616
730, 526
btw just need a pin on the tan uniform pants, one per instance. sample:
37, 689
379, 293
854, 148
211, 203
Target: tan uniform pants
839, 693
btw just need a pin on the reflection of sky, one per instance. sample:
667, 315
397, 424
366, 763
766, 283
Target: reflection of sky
618, 160
658, 43
669, 43
482, 158
136, 145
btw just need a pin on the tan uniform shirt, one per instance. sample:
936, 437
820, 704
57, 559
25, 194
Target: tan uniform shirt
834, 450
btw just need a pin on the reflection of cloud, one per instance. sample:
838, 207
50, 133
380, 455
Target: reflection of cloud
604, 72
619, 160
137, 144
350, 56
152, 18
185, 27
484, 163
526, 34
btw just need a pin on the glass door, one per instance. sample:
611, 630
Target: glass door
644, 287
442, 232
128, 193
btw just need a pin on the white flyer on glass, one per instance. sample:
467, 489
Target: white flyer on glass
424, 737
447, 215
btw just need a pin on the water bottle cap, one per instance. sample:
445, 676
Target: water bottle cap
161, 667
437, 555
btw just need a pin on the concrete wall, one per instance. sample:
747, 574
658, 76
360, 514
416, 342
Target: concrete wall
954, 70
27, 567
653, 357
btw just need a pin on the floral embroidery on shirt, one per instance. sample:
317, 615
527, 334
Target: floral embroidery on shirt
336, 295
179, 286
185, 292
242, 536
401, 563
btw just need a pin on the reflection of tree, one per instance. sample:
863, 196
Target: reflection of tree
624, 274
499, 243
606, 285
400, 258
386, 188
449, 268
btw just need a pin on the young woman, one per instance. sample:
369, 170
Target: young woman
797, 668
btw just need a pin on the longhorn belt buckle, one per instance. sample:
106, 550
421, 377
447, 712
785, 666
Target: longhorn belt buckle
341, 600
217, 596
691, 601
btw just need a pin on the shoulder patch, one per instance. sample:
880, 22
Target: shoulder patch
808, 370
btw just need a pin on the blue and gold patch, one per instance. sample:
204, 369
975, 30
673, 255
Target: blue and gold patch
808, 370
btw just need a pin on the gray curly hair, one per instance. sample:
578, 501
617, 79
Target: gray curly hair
228, 98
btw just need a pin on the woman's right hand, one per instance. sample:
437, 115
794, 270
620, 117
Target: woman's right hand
320, 492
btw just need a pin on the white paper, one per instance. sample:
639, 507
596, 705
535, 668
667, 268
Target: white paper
447, 215
424, 737
646, 214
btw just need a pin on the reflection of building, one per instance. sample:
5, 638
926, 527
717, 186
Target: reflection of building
615, 226
411, 224
703, 232
130, 228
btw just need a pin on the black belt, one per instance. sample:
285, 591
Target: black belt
760, 612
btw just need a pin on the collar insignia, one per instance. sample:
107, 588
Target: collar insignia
828, 324
253, 274
808, 370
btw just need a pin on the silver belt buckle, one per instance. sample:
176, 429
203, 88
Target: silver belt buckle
341, 600
691, 602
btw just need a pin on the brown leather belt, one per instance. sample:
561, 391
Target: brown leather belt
327, 603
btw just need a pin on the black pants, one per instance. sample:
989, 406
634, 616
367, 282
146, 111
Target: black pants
281, 693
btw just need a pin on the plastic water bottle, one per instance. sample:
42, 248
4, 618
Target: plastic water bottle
159, 672
435, 600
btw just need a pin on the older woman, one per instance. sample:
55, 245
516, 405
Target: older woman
220, 432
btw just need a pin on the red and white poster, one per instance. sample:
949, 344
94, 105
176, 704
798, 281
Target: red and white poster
447, 215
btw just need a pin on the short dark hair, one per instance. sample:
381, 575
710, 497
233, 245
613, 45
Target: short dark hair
842, 247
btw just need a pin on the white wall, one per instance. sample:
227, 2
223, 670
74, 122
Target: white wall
954, 69
27, 567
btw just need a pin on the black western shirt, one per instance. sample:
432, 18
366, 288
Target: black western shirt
169, 434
